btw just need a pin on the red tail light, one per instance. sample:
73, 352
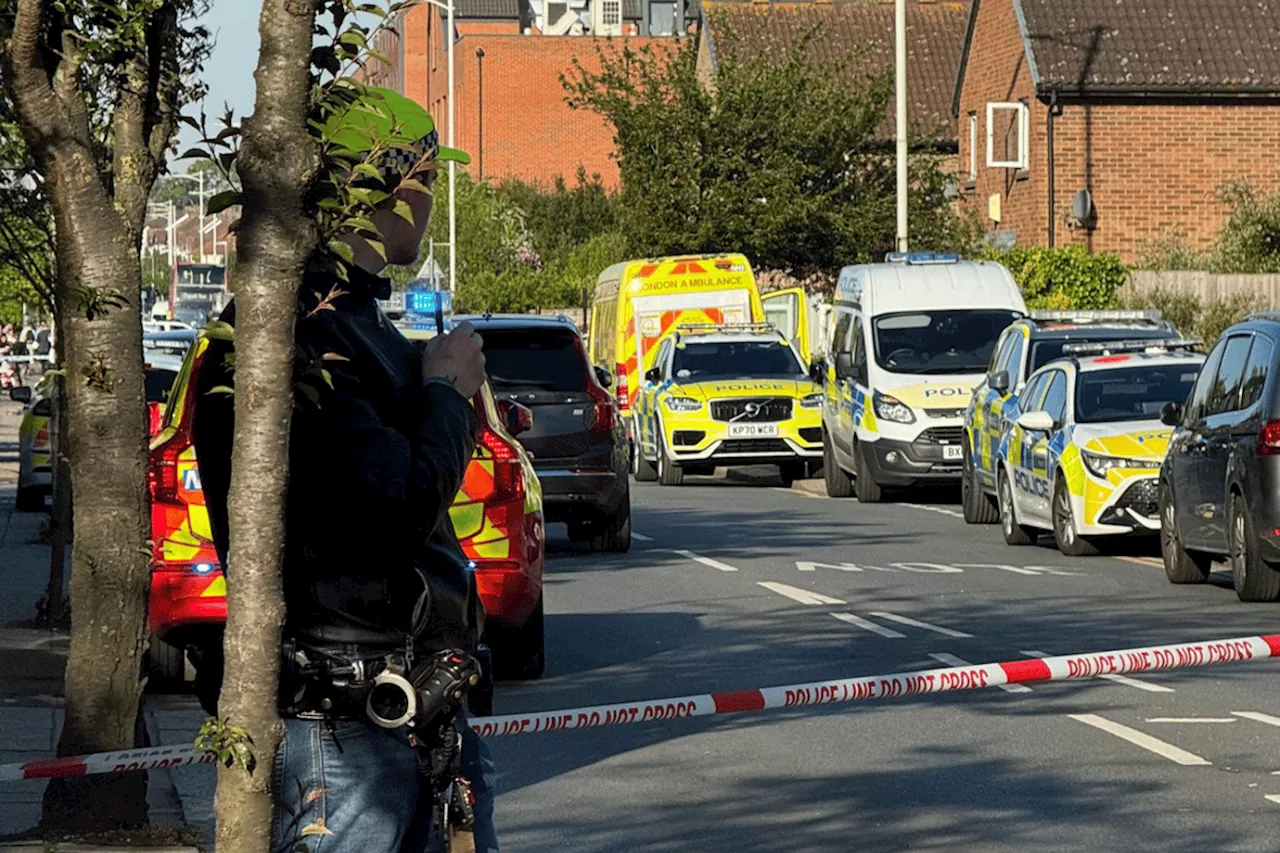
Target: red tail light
1269, 439
163, 476
624, 390
605, 413
508, 475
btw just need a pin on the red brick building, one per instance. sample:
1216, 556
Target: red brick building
509, 57
1114, 123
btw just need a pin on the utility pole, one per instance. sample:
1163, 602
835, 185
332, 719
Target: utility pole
900, 87
453, 167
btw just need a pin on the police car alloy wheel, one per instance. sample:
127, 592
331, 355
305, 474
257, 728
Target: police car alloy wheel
1254, 579
1180, 565
668, 474
838, 483
642, 469
1014, 533
977, 507
1070, 542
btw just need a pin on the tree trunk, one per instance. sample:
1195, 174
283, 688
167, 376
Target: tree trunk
60, 525
276, 237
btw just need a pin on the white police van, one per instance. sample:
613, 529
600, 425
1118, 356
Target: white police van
913, 337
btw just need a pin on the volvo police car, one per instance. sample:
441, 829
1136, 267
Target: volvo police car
912, 338
1025, 347
1082, 457
727, 395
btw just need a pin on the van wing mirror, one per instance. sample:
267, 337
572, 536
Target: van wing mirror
844, 365
998, 381
1171, 414
653, 374
1036, 421
21, 394
818, 370
604, 377
516, 418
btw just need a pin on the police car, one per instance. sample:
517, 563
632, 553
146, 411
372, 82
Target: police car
727, 395
1082, 456
1027, 345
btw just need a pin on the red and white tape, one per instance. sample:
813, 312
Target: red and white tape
892, 686
863, 688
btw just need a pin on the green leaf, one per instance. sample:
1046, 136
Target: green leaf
327, 377
378, 247
367, 169
404, 210
221, 201
195, 154
413, 184
308, 391
333, 356
352, 37
219, 330
222, 389
342, 250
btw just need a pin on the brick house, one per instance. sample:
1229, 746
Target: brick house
509, 57
935, 36
1111, 123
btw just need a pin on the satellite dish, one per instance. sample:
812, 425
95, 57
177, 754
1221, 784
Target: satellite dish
1082, 206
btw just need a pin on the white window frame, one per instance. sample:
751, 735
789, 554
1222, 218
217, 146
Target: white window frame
602, 10
1024, 135
973, 146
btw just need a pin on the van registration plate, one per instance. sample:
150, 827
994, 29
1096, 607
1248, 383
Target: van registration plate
753, 430
952, 451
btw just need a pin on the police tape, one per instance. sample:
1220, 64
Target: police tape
898, 685
863, 688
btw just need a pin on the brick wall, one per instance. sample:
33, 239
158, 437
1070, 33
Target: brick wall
1153, 169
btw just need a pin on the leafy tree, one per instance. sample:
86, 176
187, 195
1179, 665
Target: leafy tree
561, 218
95, 88
777, 157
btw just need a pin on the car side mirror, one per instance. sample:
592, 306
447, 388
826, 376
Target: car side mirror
818, 370
844, 365
998, 381
604, 377
1036, 421
21, 394
516, 418
155, 414
653, 374
1171, 414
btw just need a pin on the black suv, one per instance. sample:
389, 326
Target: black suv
578, 442
1220, 482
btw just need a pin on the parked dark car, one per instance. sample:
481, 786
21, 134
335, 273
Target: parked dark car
578, 442
1220, 483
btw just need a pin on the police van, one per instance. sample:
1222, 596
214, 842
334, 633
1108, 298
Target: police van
913, 337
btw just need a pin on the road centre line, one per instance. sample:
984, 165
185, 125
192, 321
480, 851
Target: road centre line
706, 561
940, 510
952, 660
794, 593
1258, 717
1143, 561
1142, 739
640, 537
867, 625
802, 493
1118, 679
1181, 720
937, 629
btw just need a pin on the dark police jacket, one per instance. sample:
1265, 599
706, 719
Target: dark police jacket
375, 462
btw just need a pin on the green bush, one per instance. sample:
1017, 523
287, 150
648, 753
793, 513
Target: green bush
1066, 278
1193, 317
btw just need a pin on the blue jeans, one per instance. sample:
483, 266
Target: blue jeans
361, 784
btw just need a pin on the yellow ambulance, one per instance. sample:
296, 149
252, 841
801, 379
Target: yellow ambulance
637, 303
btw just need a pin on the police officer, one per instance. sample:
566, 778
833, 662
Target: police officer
379, 445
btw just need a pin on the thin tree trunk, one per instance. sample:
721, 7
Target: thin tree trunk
60, 529
276, 237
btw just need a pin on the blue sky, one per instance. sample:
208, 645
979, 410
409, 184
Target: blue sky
229, 71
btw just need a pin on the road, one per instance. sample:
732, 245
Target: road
732, 585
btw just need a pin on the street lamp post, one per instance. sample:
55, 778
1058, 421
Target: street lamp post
200, 231
447, 7
900, 91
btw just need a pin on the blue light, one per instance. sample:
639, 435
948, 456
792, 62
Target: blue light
202, 568
471, 565
428, 301
921, 258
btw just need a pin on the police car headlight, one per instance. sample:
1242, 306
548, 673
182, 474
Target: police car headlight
892, 409
812, 401
683, 404
1099, 465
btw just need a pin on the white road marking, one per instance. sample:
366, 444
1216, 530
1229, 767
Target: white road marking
640, 537
706, 561
866, 625
800, 492
1258, 717
914, 623
1017, 570
1191, 720
805, 566
952, 660
1118, 679
1050, 570
795, 593
1146, 741
1143, 561
1273, 798
937, 509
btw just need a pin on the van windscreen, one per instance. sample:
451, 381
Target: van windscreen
936, 342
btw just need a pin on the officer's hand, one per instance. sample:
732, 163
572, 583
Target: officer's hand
456, 356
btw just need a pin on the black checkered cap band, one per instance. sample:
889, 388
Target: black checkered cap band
397, 162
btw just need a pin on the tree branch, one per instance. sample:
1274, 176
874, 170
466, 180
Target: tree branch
23, 66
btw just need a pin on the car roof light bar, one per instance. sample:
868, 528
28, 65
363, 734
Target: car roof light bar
921, 258
703, 328
1151, 316
1139, 345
